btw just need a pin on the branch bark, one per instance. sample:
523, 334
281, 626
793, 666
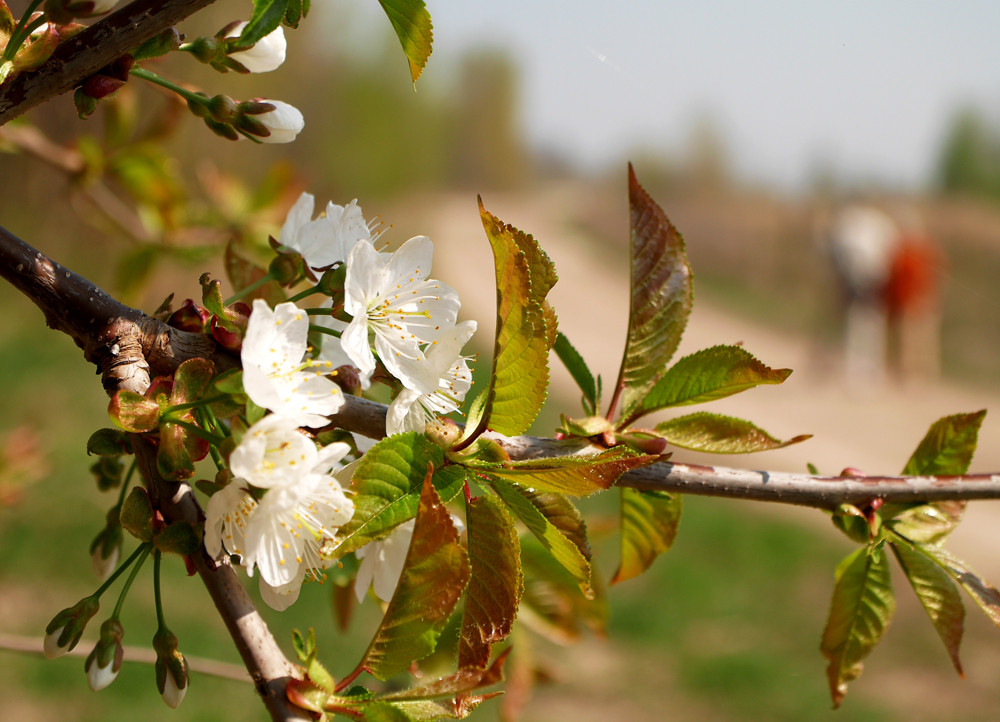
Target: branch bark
83, 55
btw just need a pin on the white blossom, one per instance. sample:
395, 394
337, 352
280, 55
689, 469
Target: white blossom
226, 518
412, 410
328, 239
265, 55
382, 561
390, 296
276, 375
290, 525
285, 122
281, 534
273, 452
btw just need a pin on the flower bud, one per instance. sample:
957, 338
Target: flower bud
200, 109
190, 317
63, 632
229, 333
222, 108
106, 548
287, 269
348, 378
265, 55
332, 281
105, 661
222, 130
205, 49
272, 121
171, 668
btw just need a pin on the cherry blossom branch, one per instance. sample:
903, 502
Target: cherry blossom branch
83, 55
70, 302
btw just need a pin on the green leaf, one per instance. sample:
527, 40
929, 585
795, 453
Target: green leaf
465, 680
109, 442
928, 523
577, 368
585, 427
178, 538
525, 328
948, 446
938, 595
495, 585
387, 485
946, 449
136, 516
649, 521
574, 475
426, 710
412, 23
133, 412
266, 17
981, 591
660, 300
295, 11
863, 603
434, 576
710, 374
717, 434
191, 380
557, 525
179, 450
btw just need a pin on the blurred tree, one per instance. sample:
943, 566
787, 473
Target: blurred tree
969, 162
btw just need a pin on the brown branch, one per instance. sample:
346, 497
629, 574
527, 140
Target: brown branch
83, 55
139, 655
127, 346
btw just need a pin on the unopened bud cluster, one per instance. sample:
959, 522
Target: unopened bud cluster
267, 121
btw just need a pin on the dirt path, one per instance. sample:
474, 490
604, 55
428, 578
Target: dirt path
874, 429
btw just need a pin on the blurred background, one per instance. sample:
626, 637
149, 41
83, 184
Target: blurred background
835, 172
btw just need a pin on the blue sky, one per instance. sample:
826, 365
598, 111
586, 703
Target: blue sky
867, 88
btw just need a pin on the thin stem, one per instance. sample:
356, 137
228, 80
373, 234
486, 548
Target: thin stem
349, 678
17, 40
208, 420
266, 278
155, 79
323, 329
200, 403
144, 551
305, 294
156, 589
196, 430
118, 572
22, 30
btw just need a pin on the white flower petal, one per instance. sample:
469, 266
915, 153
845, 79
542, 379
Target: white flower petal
273, 452
227, 516
267, 54
99, 677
